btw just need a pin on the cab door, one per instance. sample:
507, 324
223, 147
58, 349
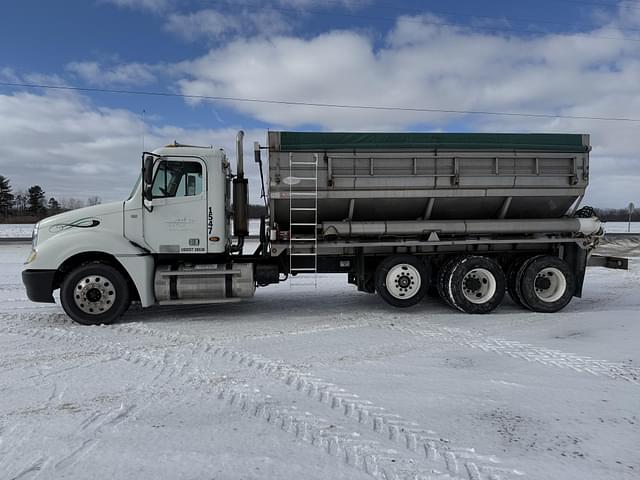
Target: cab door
176, 220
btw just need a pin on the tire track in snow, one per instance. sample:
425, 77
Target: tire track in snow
337, 441
497, 345
518, 350
425, 444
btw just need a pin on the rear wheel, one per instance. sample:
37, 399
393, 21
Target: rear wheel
402, 280
547, 284
95, 293
442, 282
513, 279
476, 285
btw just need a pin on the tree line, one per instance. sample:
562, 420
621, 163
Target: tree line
33, 204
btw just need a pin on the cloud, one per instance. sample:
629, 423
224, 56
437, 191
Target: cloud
123, 74
215, 25
302, 4
422, 64
418, 63
150, 5
72, 148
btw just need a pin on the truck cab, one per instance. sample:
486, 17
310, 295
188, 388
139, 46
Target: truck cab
168, 243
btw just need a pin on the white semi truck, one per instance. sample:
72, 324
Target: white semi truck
469, 216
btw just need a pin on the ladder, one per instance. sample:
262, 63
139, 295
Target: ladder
303, 221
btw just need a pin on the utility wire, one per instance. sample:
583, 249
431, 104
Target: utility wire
321, 105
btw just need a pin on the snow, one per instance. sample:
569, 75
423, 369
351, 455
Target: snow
622, 227
15, 230
298, 383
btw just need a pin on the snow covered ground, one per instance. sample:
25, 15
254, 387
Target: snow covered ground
326, 384
15, 230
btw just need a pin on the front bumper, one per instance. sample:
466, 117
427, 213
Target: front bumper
39, 285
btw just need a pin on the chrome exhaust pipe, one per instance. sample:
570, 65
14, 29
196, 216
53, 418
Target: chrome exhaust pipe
240, 154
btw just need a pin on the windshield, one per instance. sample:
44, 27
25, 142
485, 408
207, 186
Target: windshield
135, 187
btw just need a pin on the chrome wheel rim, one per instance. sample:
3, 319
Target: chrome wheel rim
479, 286
550, 285
403, 281
94, 295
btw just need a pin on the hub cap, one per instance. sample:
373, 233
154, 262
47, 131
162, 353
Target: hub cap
550, 284
94, 295
403, 281
479, 285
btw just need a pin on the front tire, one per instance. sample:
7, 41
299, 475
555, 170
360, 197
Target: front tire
95, 293
402, 280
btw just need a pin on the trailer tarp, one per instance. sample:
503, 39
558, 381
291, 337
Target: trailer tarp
321, 141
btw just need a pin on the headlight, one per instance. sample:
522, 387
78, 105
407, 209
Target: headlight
34, 235
32, 256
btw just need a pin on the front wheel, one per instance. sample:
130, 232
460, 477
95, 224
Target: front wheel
402, 280
95, 293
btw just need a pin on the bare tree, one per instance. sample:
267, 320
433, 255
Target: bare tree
94, 200
71, 203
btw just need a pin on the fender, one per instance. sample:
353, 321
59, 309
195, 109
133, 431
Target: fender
54, 251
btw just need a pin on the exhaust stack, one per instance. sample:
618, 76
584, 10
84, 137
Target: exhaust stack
240, 196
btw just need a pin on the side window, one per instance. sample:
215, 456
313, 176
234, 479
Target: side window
177, 179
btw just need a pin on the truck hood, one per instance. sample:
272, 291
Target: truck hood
96, 217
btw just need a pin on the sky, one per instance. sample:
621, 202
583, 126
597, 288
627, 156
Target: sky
572, 58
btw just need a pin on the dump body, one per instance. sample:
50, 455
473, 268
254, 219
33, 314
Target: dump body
422, 176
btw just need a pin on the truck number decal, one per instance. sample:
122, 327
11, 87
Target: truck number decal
210, 221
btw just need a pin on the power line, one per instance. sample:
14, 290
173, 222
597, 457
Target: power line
321, 105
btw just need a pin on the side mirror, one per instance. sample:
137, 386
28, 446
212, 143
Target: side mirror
147, 193
148, 170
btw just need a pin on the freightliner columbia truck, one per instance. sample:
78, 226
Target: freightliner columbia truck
469, 216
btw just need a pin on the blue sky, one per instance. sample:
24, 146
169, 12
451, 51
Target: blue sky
563, 56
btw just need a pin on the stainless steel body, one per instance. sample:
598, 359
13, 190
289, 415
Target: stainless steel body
420, 183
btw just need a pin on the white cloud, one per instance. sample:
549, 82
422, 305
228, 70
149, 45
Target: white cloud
150, 5
214, 24
72, 148
302, 4
443, 67
122, 74
417, 64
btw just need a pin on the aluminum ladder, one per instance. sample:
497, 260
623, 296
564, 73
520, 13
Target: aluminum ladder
303, 221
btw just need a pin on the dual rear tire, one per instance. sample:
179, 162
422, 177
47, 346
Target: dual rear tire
542, 284
477, 284
472, 284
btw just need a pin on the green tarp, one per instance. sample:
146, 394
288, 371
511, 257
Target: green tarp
320, 141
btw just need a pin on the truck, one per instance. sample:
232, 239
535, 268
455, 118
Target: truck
469, 217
